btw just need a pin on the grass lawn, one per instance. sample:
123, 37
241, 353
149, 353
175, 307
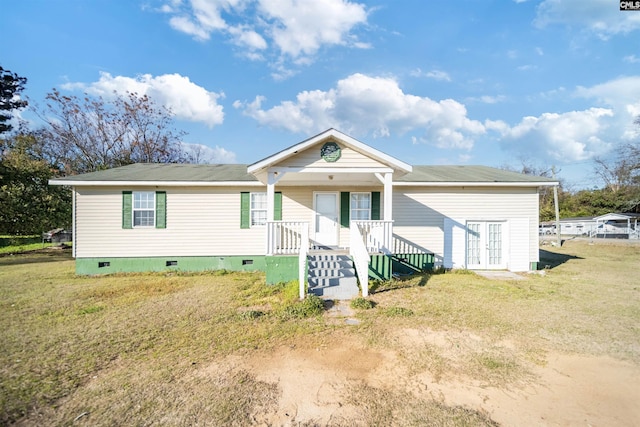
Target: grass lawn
135, 349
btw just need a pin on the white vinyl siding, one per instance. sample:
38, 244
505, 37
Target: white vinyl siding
206, 221
200, 222
428, 218
297, 205
348, 158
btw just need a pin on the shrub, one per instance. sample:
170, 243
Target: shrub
312, 305
361, 303
251, 314
398, 312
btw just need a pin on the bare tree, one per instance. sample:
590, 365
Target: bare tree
622, 170
89, 133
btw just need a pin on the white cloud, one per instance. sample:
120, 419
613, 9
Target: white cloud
433, 74
578, 135
570, 136
601, 17
187, 26
623, 96
302, 27
617, 92
204, 154
488, 99
631, 59
295, 29
361, 104
246, 37
186, 100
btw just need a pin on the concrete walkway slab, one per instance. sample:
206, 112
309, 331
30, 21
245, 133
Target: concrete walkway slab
342, 310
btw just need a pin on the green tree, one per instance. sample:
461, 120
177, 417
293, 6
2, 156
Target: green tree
29, 204
11, 85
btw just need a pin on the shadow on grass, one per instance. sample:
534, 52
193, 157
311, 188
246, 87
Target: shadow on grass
400, 282
36, 257
552, 259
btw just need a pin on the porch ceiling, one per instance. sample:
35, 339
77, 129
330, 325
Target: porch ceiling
332, 179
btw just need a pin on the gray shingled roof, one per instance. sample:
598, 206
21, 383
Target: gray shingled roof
168, 172
467, 174
238, 172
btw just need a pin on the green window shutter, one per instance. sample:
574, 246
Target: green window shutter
345, 208
277, 206
375, 205
245, 209
127, 216
161, 209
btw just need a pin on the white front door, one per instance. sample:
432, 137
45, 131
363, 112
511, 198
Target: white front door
485, 245
326, 218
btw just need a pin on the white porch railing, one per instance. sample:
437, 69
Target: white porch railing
377, 235
360, 255
302, 261
288, 238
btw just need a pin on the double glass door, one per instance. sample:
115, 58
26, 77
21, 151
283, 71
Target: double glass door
485, 245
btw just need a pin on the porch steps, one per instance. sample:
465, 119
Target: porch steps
332, 276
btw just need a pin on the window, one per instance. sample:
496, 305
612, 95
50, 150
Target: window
258, 208
360, 206
144, 208
253, 208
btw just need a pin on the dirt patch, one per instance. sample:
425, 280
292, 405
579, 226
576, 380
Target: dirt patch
314, 383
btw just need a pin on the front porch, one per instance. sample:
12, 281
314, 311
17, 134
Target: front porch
331, 272
345, 190
288, 239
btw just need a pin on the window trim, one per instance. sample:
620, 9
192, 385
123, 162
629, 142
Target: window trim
252, 209
134, 209
352, 209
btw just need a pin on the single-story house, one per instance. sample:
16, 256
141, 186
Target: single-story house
311, 212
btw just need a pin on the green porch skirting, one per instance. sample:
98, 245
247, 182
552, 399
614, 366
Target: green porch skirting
383, 267
281, 269
109, 265
278, 269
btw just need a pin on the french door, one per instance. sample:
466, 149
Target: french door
486, 245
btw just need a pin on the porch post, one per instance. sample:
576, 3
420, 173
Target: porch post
388, 196
271, 184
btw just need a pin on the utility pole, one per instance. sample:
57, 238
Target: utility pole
557, 208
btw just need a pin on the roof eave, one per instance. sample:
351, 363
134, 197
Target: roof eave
473, 184
72, 183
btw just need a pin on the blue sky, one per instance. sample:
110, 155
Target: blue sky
555, 82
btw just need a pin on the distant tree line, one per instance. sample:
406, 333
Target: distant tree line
620, 193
